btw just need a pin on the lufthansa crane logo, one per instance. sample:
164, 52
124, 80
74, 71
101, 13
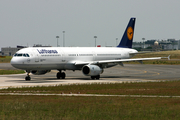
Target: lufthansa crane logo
130, 33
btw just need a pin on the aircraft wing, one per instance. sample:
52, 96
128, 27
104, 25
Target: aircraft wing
118, 61
128, 60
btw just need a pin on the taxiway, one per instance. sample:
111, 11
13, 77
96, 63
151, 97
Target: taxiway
128, 73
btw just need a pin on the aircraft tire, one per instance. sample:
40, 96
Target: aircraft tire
63, 75
92, 77
27, 78
58, 75
95, 77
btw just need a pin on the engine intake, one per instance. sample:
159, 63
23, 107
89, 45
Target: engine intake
40, 72
92, 70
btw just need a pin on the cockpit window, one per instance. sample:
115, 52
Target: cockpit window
21, 55
27, 55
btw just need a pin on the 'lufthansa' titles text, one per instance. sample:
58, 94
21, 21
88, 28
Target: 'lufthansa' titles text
44, 51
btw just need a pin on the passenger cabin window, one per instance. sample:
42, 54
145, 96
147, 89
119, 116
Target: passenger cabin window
21, 55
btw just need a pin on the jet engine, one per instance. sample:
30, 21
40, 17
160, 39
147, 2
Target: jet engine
40, 72
92, 70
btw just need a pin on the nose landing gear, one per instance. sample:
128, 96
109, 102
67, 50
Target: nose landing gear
28, 78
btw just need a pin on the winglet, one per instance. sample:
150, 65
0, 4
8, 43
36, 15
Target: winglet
167, 57
127, 38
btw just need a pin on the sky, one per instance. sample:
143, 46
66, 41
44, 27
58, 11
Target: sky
29, 22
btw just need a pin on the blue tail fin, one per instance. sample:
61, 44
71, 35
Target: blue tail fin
127, 38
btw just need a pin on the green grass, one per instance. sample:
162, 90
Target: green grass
96, 108
88, 108
169, 88
7, 59
5, 72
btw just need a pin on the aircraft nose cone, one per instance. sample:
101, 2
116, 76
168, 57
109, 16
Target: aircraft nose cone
14, 62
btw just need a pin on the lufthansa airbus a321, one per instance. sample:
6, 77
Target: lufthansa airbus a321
90, 60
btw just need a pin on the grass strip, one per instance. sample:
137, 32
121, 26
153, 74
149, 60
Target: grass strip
167, 88
88, 108
5, 72
6, 59
96, 108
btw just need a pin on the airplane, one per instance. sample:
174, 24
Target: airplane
90, 60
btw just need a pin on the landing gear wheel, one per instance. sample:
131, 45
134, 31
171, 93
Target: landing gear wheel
58, 75
95, 77
27, 78
61, 75
92, 77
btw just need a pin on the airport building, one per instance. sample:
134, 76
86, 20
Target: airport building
156, 45
10, 51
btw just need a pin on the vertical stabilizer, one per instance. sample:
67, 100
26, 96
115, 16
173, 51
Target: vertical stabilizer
127, 38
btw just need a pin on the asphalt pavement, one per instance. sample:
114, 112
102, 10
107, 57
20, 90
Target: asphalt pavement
117, 74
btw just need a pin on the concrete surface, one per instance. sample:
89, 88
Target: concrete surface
128, 73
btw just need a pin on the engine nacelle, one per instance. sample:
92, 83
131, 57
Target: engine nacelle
40, 72
92, 70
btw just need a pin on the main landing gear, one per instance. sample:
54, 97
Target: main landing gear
95, 77
61, 75
28, 78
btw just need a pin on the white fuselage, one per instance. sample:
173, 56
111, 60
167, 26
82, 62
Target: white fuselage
64, 58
